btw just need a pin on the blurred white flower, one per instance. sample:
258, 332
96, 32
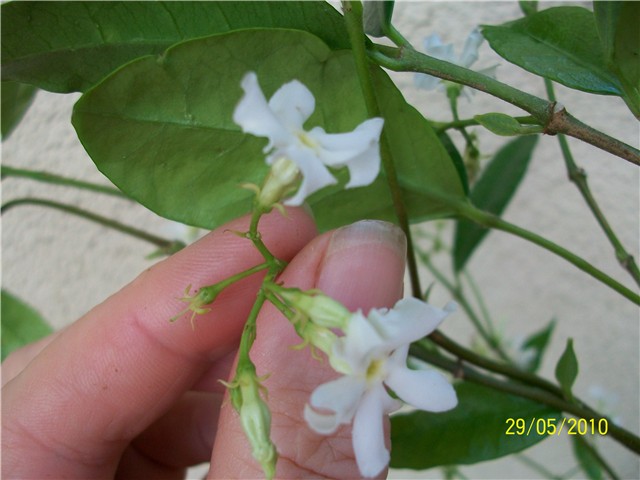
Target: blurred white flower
183, 233
372, 356
434, 47
281, 120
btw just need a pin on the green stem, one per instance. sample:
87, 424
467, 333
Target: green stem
579, 177
460, 370
453, 94
460, 297
353, 19
7, 171
168, 246
406, 59
469, 122
396, 37
481, 303
504, 369
239, 276
537, 467
488, 220
598, 458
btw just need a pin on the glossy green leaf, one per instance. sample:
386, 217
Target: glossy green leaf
475, 431
70, 46
617, 24
492, 193
21, 324
560, 44
567, 369
505, 125
586, 460
376, 17
161, 129
537, 343
16, 98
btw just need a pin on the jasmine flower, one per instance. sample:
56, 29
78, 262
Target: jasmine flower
281, 120
372, 356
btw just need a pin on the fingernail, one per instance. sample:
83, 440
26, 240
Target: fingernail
364, 265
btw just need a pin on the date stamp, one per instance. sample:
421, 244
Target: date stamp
555, 426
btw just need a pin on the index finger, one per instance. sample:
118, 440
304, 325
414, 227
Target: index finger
103, 380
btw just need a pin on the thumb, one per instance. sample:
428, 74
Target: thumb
362, 266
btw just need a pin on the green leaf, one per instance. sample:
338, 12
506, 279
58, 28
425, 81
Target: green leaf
376, 17
567, 369
528, 7
505, 125
21, 324
422, 166
475, 431
585, 458
538, 342
161, 129
16, 98
70, 46
457, 159
617, 24
492, 193
560, 44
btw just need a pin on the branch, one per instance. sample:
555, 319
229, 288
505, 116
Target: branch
7, 171
578, 176
460, 370
555, 118
166, 246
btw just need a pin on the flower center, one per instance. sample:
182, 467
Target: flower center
307, 140
375, 370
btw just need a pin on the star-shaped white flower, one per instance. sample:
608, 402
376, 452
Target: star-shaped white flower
372, 355
281, 120
434, 47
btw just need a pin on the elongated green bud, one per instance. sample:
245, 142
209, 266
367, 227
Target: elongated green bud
320, 309
255, 418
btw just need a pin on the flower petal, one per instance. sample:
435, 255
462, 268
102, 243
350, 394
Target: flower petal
424, 389
360, 342
254, 115
314, 174
409, 320
426, 82
470, 50
371, 453
358, 150
322, 423
434, 47
293, 104
338, 148
340, 396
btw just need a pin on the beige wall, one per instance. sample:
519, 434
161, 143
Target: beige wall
64, 265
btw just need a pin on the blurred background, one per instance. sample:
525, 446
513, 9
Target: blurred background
63, 265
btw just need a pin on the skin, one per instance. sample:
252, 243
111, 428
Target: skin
124, 393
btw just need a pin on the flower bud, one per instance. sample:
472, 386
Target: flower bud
255, 418
281, 179
320, 309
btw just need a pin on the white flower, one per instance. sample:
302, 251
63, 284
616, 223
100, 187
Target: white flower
281, 121
434, 47
372, 355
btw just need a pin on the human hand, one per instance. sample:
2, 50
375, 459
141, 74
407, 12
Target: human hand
123, 392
